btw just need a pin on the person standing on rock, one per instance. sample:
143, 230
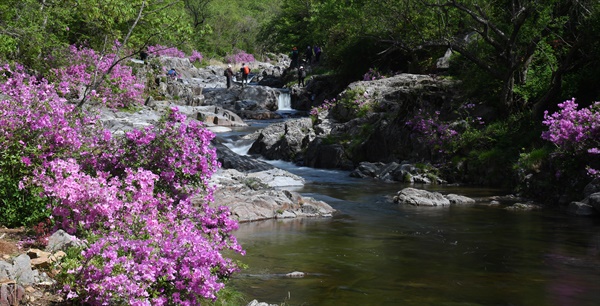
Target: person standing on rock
309, 54
228, 75
301, 75
317, 53
294, 58
245, 72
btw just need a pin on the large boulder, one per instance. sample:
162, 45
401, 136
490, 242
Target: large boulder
282, 141
244, 163
244, 101
320, 153
381, 134
419, 197
252, 197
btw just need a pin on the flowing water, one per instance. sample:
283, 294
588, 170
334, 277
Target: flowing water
374, 252
284, 100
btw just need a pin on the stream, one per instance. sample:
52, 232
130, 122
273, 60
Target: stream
375, 252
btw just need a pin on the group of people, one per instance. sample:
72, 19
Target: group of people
244, 71
309, 53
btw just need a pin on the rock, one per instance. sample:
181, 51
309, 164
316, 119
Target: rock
23, 274
366, 169
592, 187
257, 303
419, 197
6, 271
403, 172
321, 154
282, 141
251, 197
60, 240
593, 200
387, 138
278, 178
295, 274
523, 207
459, 199
581, 209
39, 258
11, 294
244, 101
231, 160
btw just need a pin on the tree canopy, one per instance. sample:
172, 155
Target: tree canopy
514, 54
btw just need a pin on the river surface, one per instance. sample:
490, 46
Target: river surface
374, 252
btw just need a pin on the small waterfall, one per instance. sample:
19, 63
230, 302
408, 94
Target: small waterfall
284, 101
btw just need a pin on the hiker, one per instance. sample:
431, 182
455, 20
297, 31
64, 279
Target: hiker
228, 75
245, 70
172, 74
309, 54
317, 53
301, 76
294, 57
143, 55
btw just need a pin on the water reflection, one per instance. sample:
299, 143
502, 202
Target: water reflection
374, 252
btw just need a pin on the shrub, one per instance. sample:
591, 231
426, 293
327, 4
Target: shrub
196, 56
159, 50
82, 77
576, 133
36, 126
129, 198
239, 56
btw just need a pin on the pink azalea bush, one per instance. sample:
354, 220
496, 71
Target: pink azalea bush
84, 72
196, 56
326, 105
575, 132
442, 136
432, 131
128, 197
36, 125
238, 57
159, 50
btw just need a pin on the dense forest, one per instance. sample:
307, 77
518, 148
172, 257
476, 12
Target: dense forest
527, 68
517, 54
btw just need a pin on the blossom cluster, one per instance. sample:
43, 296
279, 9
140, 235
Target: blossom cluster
239, 57
326, 105
159, 50
129, 197
432, 131
196, 56
83, 74
372, 75
574, 131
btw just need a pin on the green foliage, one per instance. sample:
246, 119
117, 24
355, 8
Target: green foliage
539, 73
235, 25
354, 103
18, 206
493, 150
532, 161
227, 296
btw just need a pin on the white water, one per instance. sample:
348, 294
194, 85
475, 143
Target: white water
284, 101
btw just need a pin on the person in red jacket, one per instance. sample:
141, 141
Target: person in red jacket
245, 72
